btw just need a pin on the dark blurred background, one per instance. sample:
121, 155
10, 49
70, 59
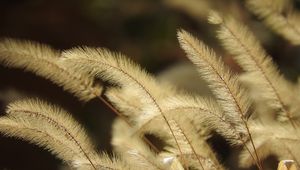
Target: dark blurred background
144, 30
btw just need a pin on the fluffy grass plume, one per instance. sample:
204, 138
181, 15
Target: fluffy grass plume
46, 62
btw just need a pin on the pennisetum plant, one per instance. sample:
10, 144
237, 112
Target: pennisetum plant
256, 111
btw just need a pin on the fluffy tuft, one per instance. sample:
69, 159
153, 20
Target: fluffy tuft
54, 129
46, 62
278, 16
262, 72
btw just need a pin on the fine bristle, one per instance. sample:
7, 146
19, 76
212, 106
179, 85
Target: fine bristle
46, 62
52, 128
278, 16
